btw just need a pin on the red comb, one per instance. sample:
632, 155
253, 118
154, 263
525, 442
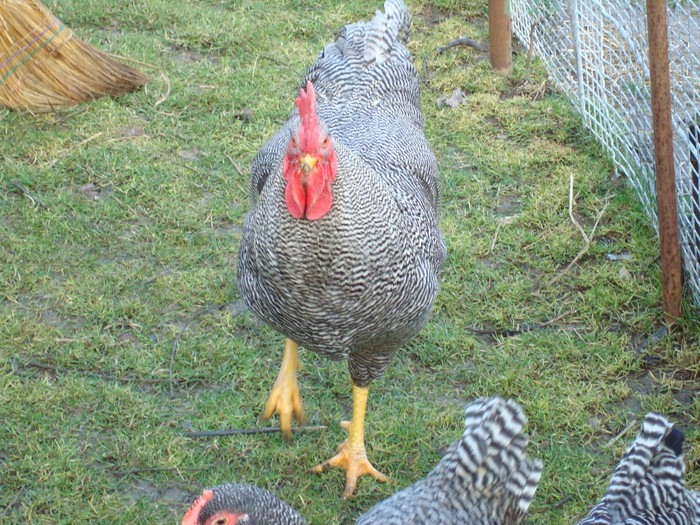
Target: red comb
309, 132
306, 102
191, 516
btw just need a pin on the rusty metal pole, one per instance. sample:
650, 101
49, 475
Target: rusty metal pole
500, 36
667, 211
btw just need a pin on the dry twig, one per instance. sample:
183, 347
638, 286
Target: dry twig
26, 193
425, 76
464, 41
11, 503
101, 375
616, 438
262, 430
167, 90
238, 169
501, 222
587, 238
521, 329
73, 147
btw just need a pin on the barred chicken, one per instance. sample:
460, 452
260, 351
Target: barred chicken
238, 503
341, 250
485, 478
648, 485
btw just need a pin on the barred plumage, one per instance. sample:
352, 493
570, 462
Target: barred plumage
360, 282
485, 478
235, 500
341, 251
648, 485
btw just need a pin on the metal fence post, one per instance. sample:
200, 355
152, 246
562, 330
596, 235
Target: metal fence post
500, 36
579, 60
667, 212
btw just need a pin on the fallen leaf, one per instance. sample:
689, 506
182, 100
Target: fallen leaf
624, 274
455, 99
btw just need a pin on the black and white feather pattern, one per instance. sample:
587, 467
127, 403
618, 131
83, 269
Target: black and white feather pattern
359, 282
261, 506
485, 478
648, 485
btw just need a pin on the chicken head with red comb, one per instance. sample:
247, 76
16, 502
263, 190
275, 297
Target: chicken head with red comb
240, 504
310, 163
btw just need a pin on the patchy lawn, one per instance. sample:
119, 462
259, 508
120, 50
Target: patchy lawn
121, 327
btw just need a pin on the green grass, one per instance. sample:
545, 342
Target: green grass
119, 228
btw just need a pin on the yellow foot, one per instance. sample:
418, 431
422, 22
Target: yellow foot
353, 459
284, 397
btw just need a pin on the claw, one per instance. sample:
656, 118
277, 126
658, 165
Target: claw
285, 397
351, 455
355, 465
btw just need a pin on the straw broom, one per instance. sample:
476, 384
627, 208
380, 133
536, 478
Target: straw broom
44, 66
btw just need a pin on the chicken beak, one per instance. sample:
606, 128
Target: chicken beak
307, 163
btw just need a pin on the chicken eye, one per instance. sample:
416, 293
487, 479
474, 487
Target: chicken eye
326, 142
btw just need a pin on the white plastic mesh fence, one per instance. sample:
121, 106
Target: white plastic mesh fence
596, 51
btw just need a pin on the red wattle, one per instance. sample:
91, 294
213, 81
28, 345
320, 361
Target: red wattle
311, 200
318, 196
294, 194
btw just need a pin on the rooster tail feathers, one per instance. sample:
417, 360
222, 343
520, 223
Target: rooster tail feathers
648, 485
651, 475
369, 64
484, 478
386, 29
492, 451
523, 482
642, 457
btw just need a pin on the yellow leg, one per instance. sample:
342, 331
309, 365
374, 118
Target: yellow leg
351, 454
284, 397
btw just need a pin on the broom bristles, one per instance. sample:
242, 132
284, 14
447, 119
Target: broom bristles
44, 66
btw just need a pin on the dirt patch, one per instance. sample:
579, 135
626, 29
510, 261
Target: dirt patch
532, 91
190, 154
186, 56
168, 495
62, 323
130, 132
228, 229
432, 16
235, 307
94, 192
493, 121
508, 205
489, 262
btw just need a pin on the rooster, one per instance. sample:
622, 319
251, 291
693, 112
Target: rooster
485, 478
341, 250
648, 485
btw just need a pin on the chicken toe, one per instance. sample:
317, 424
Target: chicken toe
351, 455
285, 397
